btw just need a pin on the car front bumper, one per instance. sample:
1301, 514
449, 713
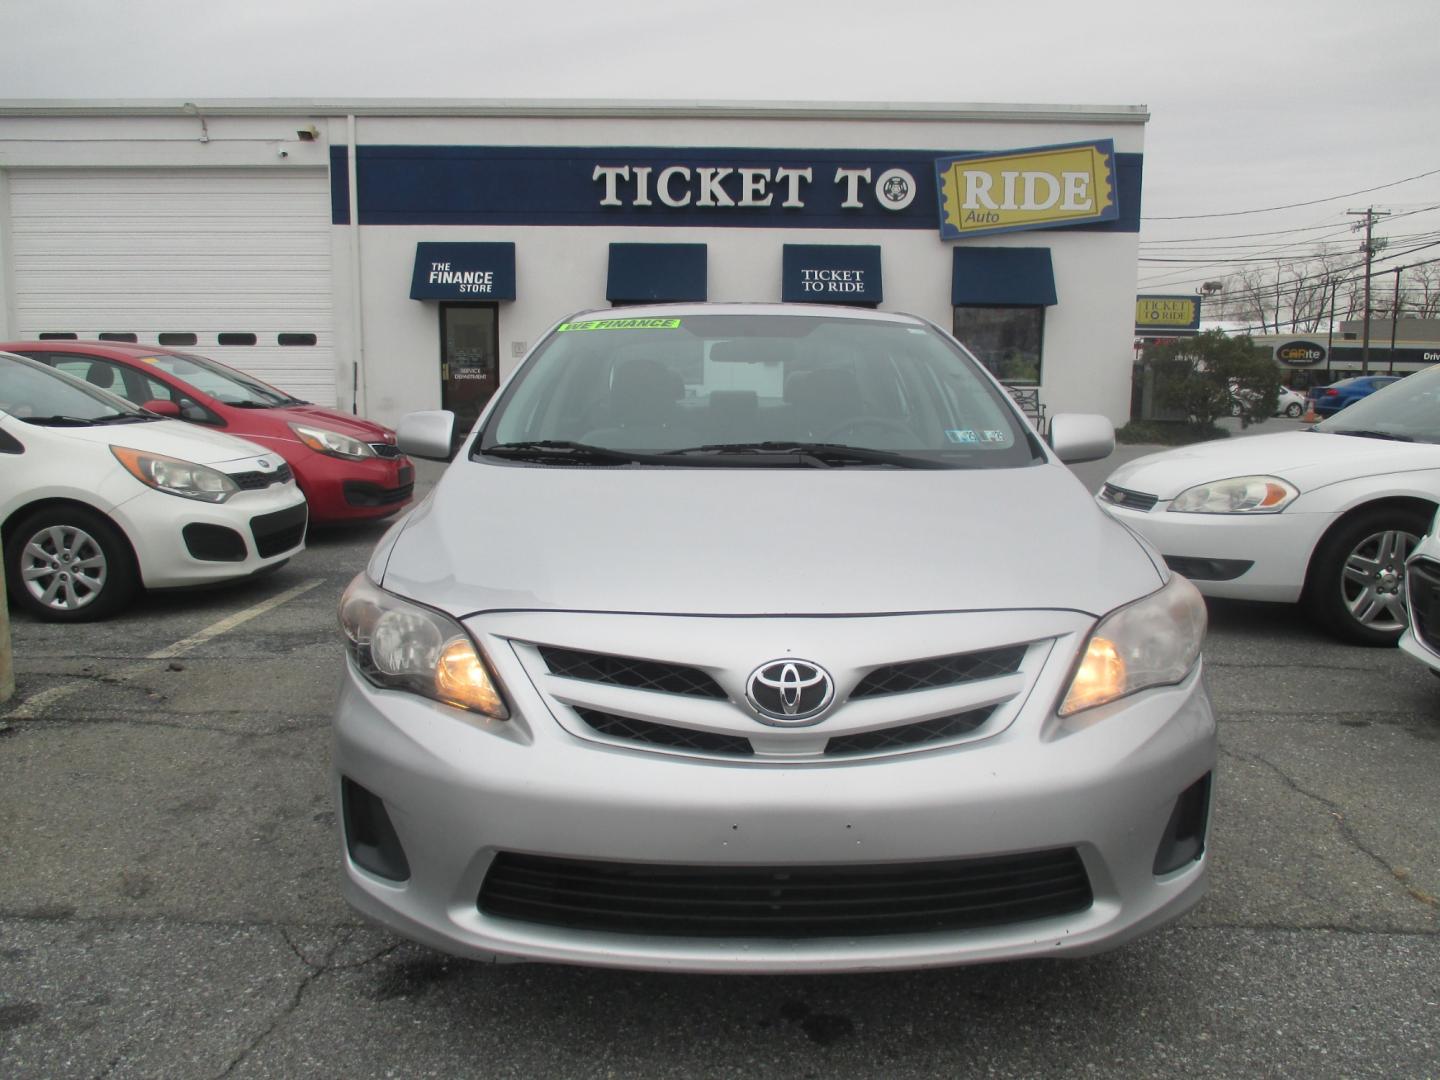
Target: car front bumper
1276, 547
460, 789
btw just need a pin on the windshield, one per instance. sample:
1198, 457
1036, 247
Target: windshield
41, 395
1407, 410
221, 382
757, 390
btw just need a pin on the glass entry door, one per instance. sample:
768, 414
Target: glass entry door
469, 360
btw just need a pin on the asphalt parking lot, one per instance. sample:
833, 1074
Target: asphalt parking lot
169, 900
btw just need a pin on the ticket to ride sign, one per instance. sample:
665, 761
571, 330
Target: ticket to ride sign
1038, 188
1167, 315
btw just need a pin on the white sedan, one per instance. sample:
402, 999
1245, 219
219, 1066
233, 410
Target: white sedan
1326, 516
1422, 584
98, 497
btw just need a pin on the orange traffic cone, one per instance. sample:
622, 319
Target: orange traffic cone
1310, 417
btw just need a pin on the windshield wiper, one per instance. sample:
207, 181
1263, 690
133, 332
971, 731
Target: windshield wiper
816, 454
1362, 433
82, 421
563, 450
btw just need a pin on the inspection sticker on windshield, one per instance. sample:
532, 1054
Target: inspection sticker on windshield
966, 435
621, 324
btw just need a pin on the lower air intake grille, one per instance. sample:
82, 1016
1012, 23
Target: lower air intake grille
785, 901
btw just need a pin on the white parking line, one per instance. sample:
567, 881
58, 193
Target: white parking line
31, 707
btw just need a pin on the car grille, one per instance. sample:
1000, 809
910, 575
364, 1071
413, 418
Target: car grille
636, 674
280, 531
385, 450
940, 671
908, 735
1423, 584
786, 902
1131, 500
650, 733
363, 493
258, 481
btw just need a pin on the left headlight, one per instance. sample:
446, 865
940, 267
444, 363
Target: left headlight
176, 477
1153, 642
399, 645
332, 443
1237, 495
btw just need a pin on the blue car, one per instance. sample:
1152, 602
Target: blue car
1328, 400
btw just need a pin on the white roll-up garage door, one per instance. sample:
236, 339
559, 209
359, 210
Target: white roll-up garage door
230, 263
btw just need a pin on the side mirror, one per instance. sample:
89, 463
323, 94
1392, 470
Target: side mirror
1077, 437
427, 434
163, 408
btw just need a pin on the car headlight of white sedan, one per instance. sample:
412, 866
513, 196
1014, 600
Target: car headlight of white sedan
1237, 495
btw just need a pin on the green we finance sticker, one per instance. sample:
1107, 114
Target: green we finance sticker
620, 324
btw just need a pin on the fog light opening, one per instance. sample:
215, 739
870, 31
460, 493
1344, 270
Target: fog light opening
1184, 839
369, 836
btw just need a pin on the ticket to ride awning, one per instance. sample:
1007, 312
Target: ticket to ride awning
657, 273
1002, 277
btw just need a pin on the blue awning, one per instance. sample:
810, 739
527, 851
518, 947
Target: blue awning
463, 272
663, 273
832, 274
1002, 277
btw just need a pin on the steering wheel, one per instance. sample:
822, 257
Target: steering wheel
877, 423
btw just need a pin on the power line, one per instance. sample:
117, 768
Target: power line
1293, 206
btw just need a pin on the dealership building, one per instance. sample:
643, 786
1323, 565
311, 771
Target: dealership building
389, 256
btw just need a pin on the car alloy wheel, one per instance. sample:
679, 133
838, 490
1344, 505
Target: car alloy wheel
1293, 410
1357, 578
70, 565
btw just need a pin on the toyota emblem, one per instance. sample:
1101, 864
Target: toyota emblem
789, 691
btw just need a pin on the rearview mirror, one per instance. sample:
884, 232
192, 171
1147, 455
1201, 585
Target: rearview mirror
427, 434
163, 408
1077, 437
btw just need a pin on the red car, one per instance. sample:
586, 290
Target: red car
349, 469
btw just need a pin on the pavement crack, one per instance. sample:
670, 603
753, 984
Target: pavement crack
1342, 824
313, 971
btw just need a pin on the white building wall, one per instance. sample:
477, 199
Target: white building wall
559, 269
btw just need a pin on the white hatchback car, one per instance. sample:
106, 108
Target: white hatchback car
1326, 515
98, 498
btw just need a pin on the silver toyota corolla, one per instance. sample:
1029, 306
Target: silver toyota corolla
761, 638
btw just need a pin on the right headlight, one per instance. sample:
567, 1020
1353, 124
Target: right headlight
1237, 495
398, 645
1153, 642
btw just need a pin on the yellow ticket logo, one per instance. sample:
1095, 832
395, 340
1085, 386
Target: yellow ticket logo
1027, 189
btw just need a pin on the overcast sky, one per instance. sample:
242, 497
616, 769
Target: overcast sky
1255, 104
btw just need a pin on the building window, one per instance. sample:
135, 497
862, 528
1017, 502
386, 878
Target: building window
178, 338
1007, 340
236, 339
120, 335
297, 339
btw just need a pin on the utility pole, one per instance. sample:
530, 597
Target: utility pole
1370, 214
1394, 318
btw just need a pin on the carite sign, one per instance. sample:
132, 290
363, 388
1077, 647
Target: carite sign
1300, 353
1038, 188
1168, 315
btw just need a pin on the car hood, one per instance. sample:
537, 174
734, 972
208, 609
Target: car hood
346, 424
1308, 459
763, 541
173, 438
